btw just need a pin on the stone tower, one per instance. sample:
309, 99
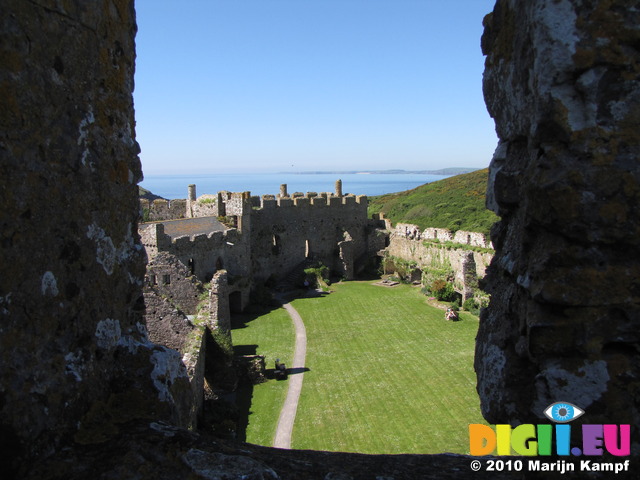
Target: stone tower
191, 200
338, 188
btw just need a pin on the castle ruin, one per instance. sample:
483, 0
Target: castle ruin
268, 238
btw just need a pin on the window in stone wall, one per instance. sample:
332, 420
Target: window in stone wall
192, 266
307, 249
153, 280
166, 279
275, 244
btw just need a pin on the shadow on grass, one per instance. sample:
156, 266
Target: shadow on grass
297, 370
242, 350
270, 373
243, 395
240, 320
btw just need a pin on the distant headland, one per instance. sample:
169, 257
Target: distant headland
442, 171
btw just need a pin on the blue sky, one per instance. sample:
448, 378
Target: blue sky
255, 86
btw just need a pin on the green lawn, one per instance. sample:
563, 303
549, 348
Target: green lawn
273, 334
387, 373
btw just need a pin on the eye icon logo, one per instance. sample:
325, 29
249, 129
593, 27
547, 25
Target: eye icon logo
563, 412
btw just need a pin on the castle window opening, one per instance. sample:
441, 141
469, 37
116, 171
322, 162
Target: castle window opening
153, 280
192, 266
166, 279
275, 247
307, 249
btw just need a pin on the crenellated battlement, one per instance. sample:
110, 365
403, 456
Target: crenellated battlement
312, 199
238, 204
153, 236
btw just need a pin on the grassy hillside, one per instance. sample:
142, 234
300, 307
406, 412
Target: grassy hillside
456, 203
144, 193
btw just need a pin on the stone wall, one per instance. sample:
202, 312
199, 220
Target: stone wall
219, 302
206, 253
167, 276
274, 235
287, 231
206, 206
170, 327
160, 209
473, 239
166, 325
468, 265
75, 358
562, 81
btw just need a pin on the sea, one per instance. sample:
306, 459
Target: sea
175, 186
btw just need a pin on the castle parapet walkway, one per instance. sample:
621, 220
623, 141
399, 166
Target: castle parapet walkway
188, 227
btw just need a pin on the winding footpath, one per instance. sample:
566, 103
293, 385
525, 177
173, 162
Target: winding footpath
282, 438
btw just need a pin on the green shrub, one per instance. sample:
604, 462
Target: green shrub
321, 271
402, 269
318, 276
438, 285
443, 290
470, 305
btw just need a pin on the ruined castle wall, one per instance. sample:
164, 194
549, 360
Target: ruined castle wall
284, 232
220, 315
157, 210
467, 265
170, 278
207, 205
473, 239
562, 83
207, 253
377, 239
74, 354
170, 327
237, 203
194, 359
166, 325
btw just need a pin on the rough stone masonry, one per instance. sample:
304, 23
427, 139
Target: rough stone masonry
562, 81
75, 359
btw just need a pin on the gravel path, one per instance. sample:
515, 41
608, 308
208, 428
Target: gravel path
282, 437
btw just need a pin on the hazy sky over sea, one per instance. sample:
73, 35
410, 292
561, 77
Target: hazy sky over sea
300, 85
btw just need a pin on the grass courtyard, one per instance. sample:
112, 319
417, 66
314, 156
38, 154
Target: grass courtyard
387, 373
